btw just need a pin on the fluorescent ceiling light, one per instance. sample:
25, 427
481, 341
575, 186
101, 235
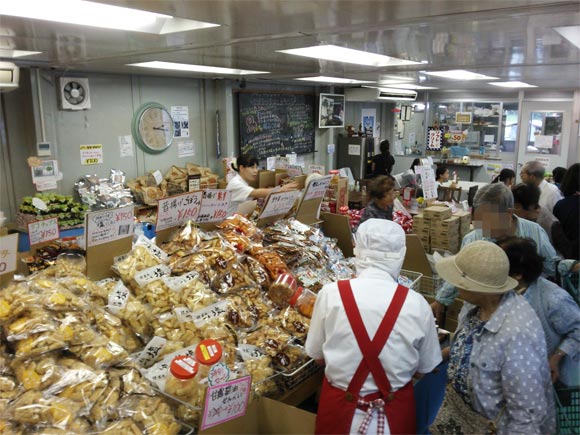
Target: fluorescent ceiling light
512, 85
16, 53
325, 79
194, 68
571, 33
411, 86
347, 55
397, 78
459, 74
87, 13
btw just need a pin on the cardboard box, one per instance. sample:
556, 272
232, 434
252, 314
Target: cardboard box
421, 231
451, 223
437, 212
268, 416
464, 219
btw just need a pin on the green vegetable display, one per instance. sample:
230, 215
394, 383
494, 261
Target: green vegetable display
64, 207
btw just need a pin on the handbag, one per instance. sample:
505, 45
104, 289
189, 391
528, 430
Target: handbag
458, 418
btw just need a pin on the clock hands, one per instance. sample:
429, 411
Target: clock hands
160, 128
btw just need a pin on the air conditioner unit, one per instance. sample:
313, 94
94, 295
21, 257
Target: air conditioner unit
373, 94
397, 94
74, 93
9, 74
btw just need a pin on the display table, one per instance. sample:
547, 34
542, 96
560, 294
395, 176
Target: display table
465, 186
470, 166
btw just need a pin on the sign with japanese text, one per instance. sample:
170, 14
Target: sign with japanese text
43, 231
146, 276
463, 117
225, 402
211, 312
316, 169
214, 205
294, 170
109, 225
434, 136
118, 298
278, 203
281, 163
8, 253
178, 209
317, 188
151, 351
91, 154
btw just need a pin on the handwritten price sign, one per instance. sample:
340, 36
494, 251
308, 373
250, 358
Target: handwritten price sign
43, 231
278, 203
109, 225
8, 251
175, 210
317, 188
225, 402
214, 205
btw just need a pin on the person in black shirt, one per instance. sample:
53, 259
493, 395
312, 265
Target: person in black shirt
567, 210
383, 163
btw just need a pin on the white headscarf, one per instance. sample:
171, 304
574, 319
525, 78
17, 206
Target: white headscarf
380, 243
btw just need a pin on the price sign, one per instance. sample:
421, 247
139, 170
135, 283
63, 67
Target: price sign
43, 231
464, 117
109, 225
317, 188
175, 210
214, 205
278, 203
455, 137
226, 401
281, 163
316, 169
91, 154
8, 253
294, 170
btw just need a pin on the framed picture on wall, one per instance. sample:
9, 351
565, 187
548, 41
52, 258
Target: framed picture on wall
331, 113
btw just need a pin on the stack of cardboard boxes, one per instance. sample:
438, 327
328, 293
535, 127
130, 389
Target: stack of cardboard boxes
439, 230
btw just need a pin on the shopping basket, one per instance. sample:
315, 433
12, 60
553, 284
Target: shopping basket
568, 407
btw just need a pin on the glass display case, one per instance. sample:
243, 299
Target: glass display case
487, 127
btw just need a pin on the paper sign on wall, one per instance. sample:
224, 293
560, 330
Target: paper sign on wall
428, 182
180, 115
463, 117
126, 146
294, 170
185, 149
109, 225
91, 154
43, 231
317, 188
214, 205
544, 161
278, 203
8, 253
270, 163
178, 209
225, 402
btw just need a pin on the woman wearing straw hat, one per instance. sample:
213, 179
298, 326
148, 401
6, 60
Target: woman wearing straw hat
499, 381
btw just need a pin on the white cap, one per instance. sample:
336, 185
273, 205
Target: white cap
380, 243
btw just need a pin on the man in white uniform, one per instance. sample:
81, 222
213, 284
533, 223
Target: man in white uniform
533, 173
354, 388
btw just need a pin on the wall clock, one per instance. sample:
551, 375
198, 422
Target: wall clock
153, 128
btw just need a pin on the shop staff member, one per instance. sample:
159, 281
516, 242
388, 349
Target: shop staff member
373, 335
247, 172
383, 163
533, 173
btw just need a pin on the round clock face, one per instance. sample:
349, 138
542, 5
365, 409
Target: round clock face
153, 128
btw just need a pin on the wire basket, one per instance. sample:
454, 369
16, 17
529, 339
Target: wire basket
186, 429
415, 277
568, 405
430, 285
293, 379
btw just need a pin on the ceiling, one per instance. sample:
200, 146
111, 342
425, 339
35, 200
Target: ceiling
508, 39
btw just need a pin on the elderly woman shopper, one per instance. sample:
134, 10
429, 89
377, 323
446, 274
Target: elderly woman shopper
557, 311
382, 193
373, 336
494, 218
498, 367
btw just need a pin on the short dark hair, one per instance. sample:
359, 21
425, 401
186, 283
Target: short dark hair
380, 186
440, 171
504, 175
416, 162
526, 194
570, 181
523, 257
558, 174
245, 160
384, 146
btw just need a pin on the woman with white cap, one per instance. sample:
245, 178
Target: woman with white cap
499, 381
373, 336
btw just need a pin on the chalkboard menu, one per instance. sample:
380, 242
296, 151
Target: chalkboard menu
276, 123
